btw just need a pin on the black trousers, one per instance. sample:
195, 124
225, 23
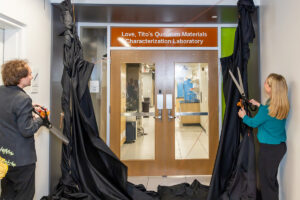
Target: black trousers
18, 183
268, 162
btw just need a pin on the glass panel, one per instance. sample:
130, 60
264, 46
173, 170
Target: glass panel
1, 50
94, 50
191, 93
137, 108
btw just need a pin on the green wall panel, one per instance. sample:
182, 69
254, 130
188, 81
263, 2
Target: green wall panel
227, 45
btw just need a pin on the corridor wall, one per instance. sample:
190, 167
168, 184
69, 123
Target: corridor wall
35, 46
279, 31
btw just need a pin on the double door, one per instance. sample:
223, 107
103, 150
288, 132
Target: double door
164, 111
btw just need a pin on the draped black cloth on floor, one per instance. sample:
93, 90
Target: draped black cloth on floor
234, 174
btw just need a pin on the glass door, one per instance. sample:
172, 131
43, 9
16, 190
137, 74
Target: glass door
136, 122
164, 111
192, 119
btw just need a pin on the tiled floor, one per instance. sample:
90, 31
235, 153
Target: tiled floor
143, 148
191, 142
151, 182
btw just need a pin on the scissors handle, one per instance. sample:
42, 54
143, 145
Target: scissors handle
251, 106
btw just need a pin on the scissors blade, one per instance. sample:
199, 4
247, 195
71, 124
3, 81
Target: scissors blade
236, 83
59, 135
241, 82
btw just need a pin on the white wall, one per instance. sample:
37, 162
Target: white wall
1, 49
36, 48
280, 43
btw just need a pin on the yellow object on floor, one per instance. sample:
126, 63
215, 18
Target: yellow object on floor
3, 168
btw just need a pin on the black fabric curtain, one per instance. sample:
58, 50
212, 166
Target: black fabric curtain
234, 174
90, 170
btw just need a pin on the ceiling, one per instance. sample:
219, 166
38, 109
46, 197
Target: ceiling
158, 2
156, 14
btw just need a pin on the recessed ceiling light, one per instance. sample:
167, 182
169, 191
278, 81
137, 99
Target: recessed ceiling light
214, 17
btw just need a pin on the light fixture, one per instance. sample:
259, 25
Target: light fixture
214, 17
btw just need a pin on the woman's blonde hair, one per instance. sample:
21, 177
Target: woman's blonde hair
279, 104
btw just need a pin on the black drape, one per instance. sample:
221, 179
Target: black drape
234, 175
90, 170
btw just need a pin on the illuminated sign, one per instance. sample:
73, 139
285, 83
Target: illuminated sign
164, 37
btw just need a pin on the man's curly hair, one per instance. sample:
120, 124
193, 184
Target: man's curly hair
13, 71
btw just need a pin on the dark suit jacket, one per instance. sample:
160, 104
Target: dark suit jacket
17, 126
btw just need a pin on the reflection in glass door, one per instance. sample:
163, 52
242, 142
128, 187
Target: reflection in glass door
94, 50
137, 111
191, 98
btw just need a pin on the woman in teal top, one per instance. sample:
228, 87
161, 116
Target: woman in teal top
270, 121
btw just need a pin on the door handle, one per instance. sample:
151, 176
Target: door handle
159, 115
137, 114
169, 102
190, 113
170, 115
160, 105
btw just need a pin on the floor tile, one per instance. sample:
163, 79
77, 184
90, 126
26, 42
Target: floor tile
204, 179
139, 180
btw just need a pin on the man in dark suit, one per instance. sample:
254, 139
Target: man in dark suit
17, 128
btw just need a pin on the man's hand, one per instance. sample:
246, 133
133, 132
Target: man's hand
35, 116
37, 107
242, 113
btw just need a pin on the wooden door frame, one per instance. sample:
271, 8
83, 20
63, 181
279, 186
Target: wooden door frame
171, 166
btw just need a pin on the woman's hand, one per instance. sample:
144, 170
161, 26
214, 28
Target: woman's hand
254, 102
242, 113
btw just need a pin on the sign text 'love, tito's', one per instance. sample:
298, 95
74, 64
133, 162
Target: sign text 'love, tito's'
163, 37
